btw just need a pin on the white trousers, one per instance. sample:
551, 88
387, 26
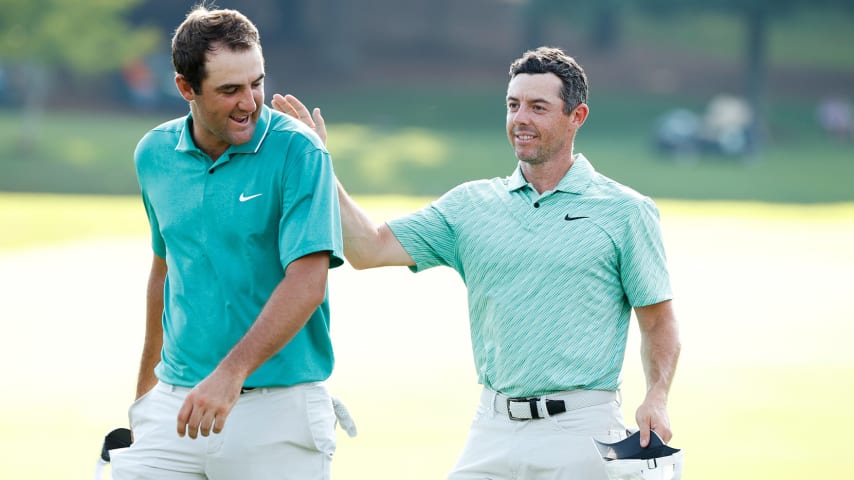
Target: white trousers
557, 447
271, 433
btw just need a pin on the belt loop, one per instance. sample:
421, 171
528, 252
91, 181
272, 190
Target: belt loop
493, 397
543, 407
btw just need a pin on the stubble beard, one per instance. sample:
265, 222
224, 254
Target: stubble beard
531, 158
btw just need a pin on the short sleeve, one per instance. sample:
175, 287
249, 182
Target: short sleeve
428, 235
311, 219
643, 264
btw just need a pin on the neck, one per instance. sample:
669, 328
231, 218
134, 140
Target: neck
212, 148
545, 176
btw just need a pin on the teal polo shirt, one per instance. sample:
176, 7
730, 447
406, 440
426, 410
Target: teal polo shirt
551, 277
228, 230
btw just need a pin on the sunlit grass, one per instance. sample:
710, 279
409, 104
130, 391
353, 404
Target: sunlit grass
762, 294
33, 219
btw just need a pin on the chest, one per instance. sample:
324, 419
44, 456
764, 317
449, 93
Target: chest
232, 200
512, 239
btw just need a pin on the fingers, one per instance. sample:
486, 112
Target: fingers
319, 125
646, 423
184, 417
644, 435
290, 105
194, 419
665, 433
319, 122
281, 104
657, 423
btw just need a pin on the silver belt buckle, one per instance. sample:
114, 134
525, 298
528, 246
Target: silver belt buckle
532, 407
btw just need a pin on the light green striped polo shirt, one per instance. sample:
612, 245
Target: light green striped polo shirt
551, 277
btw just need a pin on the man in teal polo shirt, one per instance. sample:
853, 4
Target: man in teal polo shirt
554, 258
245, 225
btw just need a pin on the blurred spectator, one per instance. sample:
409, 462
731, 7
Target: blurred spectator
11, 93
141, 85
834, 116
723, 129
726, 125
676, 132
3, 86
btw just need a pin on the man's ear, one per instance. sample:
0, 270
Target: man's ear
579, 114
184, 88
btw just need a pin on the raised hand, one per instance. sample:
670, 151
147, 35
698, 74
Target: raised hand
290, 105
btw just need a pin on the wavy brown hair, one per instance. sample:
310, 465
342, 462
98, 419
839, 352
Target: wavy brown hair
554, 60
205, 31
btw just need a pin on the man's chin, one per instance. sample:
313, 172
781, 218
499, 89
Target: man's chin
529, 159
244, 136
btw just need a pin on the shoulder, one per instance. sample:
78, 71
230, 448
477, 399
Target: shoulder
159, 143
482, 188
469, 195
166, 132
284, 128
618, 194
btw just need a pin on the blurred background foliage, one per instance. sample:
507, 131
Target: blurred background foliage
414, 97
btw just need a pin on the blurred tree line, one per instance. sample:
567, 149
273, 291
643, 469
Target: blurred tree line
38, 38
80, 40
605, 20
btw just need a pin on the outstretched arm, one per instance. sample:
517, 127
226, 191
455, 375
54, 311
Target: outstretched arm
659, 353
366, 244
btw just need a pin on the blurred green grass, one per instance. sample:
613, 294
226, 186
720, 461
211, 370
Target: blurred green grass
762, 301
424, 142
39, 220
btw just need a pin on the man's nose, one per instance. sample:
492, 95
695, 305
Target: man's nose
247, 102
521, 116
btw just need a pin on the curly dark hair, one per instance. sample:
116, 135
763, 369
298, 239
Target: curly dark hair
554, 60
204, 31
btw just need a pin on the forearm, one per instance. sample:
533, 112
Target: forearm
153, 342
150, 357
659, 355
367, 244
660, 348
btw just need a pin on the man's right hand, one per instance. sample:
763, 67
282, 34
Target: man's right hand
290, 105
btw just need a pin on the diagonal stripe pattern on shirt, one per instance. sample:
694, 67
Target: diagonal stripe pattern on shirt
549, 299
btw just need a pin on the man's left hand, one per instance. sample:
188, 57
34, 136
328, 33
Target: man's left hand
652, 415
290, 105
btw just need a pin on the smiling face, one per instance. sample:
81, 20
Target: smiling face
226, 110
537, 127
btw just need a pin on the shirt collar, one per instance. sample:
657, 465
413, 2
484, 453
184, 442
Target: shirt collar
575, 181
186, 144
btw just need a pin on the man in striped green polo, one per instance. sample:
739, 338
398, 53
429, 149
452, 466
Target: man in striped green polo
554, 258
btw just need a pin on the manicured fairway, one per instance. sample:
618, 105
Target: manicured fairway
763, 293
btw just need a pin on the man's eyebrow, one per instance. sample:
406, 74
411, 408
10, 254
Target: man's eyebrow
229, 86
534, 100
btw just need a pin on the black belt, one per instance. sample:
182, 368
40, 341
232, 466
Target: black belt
553, 407
246, 389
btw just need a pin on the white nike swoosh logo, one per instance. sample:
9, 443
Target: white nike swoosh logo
244, 198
